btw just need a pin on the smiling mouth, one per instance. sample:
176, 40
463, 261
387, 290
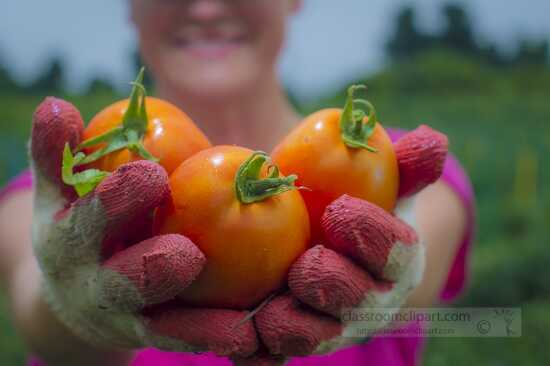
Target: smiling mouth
210, 44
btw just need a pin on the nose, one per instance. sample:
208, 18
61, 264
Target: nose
207, 10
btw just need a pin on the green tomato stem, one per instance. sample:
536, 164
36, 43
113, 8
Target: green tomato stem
83, 182
355, 132
250, 188
130, 134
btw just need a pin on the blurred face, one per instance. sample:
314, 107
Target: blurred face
211, 48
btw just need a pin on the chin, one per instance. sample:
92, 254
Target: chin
212, 72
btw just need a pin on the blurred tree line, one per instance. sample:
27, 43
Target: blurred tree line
455, 60
458, 34
454, 52
52, 79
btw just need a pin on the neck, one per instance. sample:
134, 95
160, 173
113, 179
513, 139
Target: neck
257, 120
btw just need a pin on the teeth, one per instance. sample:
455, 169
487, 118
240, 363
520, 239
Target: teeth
221, 33
204, 42
200, 41
208, 44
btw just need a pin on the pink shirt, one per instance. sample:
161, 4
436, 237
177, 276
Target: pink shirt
379, 350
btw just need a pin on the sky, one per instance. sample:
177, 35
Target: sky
330, 42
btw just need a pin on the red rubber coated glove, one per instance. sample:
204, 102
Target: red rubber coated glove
369, 259
102, 269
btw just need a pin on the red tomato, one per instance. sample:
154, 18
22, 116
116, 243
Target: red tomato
171, 135
319, 152
249, 239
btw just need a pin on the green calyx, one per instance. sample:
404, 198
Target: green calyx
250, 188
130, 134
355, 131
83, 182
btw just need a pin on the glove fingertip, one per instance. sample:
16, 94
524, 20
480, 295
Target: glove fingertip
365, 233
421, 155
159, 269
133, 187
120, 209
328, 281
55, 123
217, 330
289, 328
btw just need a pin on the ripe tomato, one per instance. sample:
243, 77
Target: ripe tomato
132, 129
171, 135
251, 229
319, 152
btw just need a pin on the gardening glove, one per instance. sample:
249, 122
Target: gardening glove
105, 278
369, 259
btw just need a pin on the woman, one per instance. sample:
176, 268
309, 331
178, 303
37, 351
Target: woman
216, 59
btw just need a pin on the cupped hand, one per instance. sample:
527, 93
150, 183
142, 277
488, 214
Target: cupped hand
368, 258
104, 276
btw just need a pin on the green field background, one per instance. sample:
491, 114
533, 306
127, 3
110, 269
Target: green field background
498, 122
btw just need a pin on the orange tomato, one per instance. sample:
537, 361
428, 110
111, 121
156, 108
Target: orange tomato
171, 135
249, 246
328, 167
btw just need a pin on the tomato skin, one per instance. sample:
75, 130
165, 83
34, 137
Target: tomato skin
172, 136
249, 247
328, 168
